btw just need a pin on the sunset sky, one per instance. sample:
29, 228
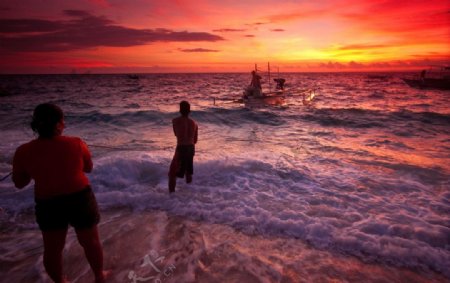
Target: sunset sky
118, 36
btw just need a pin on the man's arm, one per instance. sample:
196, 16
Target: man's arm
87, 159
196, 134
174, 127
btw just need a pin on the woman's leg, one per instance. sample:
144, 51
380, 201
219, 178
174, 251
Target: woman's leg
90, 241
54, 241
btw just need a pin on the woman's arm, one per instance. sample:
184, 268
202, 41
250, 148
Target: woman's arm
20, 176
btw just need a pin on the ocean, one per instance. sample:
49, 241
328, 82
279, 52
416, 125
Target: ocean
351, 187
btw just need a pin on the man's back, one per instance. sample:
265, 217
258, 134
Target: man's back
186, 130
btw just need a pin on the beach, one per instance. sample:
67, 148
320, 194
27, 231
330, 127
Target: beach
182, 250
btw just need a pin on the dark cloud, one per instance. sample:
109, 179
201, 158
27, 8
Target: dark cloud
27, 26
198, 50
228, 30
348, 65
355, 65
84, 31
79, 14
381, 65
256, 24
277, 29
249, 35
332, 65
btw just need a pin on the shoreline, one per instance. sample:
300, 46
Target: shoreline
154, 245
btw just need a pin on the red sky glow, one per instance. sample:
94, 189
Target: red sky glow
152, 36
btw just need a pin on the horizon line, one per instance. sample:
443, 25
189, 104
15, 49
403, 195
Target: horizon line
223, 72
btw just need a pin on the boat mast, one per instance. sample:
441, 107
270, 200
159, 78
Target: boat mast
268, 68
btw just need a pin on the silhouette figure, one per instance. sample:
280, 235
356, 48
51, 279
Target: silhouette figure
186, 131
256, 81
280, 83
422, 76
62, 192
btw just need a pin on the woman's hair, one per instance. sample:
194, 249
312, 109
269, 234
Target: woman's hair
185, 108
45, 118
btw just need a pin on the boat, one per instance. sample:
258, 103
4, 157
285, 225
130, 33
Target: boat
264, 100
429, 83
256, 96
433, 78
4, 92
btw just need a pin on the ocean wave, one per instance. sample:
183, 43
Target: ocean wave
237, 117
256, 197
426, 117
119, 119
219, 117
428, 175
348, 117
366, 118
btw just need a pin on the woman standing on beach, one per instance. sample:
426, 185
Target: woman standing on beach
62, 192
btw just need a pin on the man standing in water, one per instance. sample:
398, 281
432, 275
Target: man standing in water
186, 131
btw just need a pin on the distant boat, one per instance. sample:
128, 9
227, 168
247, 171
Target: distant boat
133, 77
4, 92
429, 83
434, 78
378, 77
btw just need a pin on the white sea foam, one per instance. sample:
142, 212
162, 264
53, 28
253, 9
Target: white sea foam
256, 197
250, 195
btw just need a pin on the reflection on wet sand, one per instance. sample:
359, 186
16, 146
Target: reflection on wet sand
152, 246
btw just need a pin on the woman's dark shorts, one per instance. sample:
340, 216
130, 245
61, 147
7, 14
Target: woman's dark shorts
79, 209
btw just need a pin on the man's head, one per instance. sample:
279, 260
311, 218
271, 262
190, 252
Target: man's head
185, 108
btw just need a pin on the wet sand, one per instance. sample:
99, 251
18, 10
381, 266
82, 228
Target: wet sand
149, 246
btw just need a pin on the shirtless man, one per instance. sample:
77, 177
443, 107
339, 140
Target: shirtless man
186, 131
